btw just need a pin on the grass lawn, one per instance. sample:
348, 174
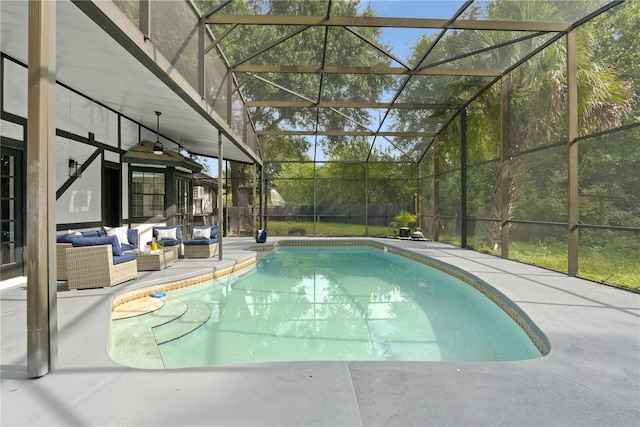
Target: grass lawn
325, 229
605, 265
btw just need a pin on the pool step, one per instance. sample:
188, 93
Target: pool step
135, 347
173, 309
132, 342
196, 315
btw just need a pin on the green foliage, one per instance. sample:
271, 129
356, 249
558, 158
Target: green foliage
616, 41
278, 149
403, 219
294, 182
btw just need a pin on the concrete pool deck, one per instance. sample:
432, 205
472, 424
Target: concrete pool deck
590, 377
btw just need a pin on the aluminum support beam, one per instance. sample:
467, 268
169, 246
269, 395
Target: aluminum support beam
505, 168
419, 212
572, 135
378, 21
332, 69
436, 189
343, 133
144, 18
42, 318
366, 199
201, 60
220, 189
352, 104
262, 201
253, 202
463, 178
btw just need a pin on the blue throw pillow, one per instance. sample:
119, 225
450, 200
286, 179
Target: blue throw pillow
132, 236
94, 241
66, 238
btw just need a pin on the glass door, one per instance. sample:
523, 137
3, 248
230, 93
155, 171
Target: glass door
11, 218
184, 204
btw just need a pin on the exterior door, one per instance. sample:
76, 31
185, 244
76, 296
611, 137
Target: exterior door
111, 196
12, 213
184, 207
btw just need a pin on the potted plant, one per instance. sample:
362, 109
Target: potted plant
402, 220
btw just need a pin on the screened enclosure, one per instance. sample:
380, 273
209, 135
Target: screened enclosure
508, 127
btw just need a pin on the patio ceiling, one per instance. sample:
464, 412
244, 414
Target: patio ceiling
109, 62
269, 68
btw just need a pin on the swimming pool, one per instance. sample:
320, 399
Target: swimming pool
324, 303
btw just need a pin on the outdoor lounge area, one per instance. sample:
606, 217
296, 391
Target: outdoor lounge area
146, 144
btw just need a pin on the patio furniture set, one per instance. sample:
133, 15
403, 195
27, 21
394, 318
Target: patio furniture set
110, 256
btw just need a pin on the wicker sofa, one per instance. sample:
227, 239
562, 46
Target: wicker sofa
61, 260
98, 262
203, 244
63, 242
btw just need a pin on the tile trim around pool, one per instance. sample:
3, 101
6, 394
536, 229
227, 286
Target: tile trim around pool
164, 287
534, 333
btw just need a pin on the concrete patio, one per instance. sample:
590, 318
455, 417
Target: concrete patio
590, 377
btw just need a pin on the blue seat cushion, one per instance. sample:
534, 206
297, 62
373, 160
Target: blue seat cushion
94, 241
194, 242
128, 256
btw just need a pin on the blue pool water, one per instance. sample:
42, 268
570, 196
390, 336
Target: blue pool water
341, 303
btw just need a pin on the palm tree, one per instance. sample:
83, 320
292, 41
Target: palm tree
537, 106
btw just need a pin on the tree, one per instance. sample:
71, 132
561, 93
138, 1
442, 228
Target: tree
278, 149
294, 181
617, 41
537, 102
610, 194
269, 44
206, 168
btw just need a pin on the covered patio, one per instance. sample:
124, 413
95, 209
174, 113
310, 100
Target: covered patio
591, 376
479, 127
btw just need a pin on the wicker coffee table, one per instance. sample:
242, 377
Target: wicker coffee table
155, 260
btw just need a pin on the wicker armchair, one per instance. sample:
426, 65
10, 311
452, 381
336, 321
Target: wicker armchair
170, 236
204, 243
93, 267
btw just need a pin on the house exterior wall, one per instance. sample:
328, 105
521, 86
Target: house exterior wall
88, 133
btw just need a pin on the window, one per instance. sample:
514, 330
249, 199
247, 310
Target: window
147, 194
